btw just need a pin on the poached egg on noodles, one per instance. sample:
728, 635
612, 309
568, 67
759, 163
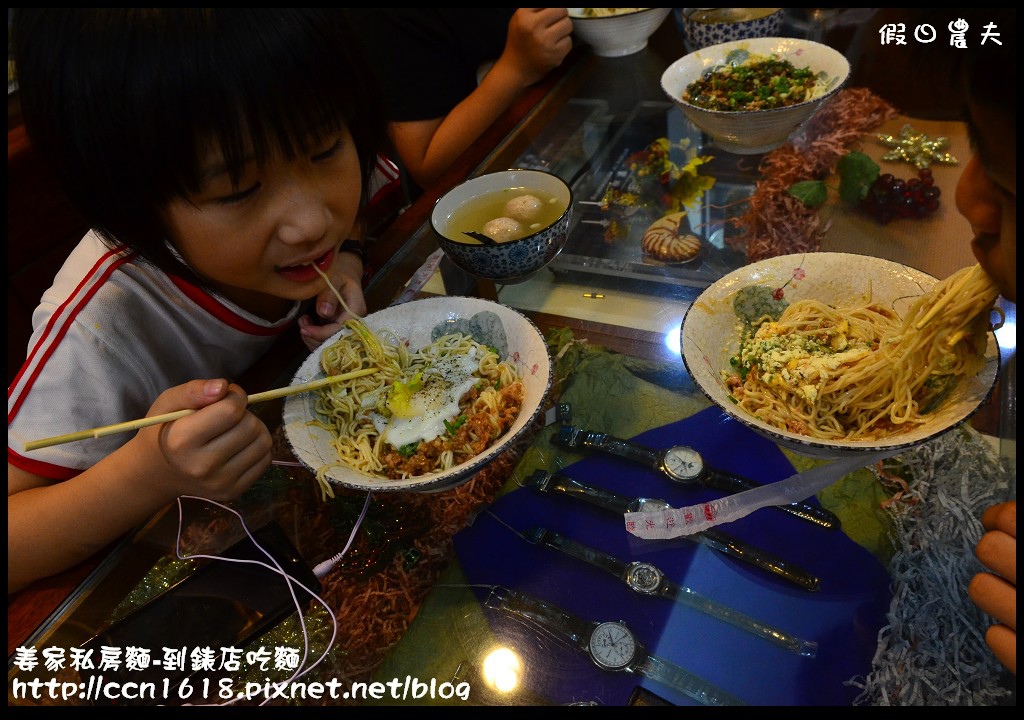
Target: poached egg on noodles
420, 407
426, 410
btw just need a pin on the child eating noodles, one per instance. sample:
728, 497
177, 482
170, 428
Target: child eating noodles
218, 155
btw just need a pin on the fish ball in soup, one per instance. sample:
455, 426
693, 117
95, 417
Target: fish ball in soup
525, 208
503, 229
504, 215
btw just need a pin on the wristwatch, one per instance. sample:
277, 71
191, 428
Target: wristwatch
683, 464
611, 645
646, 579
557, 484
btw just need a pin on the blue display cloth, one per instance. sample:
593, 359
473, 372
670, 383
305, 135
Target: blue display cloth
843, 617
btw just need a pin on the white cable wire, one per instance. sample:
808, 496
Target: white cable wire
320, 571
327, 565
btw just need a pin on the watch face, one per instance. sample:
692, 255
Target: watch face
683, 463
643, 577
612, 645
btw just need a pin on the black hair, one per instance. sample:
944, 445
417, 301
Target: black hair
124, 102
990, 67
989, 75
982, 71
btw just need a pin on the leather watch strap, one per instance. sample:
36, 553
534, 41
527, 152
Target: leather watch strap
573, 437
713, 538
730, 483
571, 628
576, 438
741, 550
561, 484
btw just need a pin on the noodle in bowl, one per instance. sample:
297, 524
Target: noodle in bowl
432, 323
712, 333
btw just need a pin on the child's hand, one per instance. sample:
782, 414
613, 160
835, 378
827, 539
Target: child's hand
346, 276
216, 453
538, 41
995, 593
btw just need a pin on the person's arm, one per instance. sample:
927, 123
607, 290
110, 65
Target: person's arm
537, 42
995, 593
216, 453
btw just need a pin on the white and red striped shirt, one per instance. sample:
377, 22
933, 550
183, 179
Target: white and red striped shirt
109, 336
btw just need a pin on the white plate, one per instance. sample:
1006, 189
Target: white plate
413, 322
710, 336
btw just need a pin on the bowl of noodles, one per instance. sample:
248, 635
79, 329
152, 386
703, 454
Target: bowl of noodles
616, 32
834, 354
752, 95
455, 382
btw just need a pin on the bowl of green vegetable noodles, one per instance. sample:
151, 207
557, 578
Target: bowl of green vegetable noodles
750, 96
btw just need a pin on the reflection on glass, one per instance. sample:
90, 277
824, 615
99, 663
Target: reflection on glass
502, 669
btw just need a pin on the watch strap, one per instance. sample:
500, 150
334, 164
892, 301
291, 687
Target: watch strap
577, 632
564, 625
555, 483
670, 590
669, 674
573, 437
578, 550
693, 599
730, 483
736, 548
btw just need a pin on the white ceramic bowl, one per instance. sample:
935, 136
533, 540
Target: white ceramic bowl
617, 35
748, 132
414, 322
505, 262
710, 336
702, 27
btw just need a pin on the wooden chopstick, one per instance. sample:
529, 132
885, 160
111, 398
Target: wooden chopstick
167, 417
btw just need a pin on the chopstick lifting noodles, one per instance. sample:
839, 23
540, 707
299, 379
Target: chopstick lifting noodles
335, 291
167, 417
951, 293
863, 372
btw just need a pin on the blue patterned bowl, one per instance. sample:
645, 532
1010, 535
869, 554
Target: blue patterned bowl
511, 261
712, 26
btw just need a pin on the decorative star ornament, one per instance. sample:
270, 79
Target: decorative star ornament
917, 148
